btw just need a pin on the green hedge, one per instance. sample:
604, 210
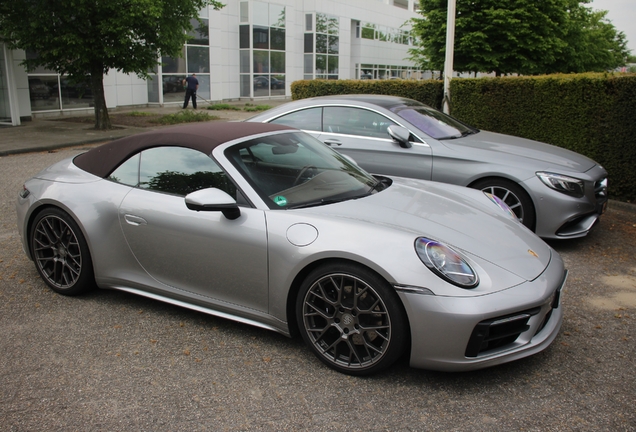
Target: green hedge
429, 92
592, 114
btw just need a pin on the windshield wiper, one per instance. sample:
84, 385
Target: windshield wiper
320, 202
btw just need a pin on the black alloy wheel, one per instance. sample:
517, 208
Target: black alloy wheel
60, 253
352, 319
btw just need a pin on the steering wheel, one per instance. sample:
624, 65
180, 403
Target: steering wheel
302, 172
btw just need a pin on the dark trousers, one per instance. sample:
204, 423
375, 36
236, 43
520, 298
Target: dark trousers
189, 93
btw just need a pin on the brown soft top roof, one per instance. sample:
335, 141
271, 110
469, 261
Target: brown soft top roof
102, 160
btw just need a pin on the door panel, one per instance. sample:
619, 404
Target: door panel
361, 134
202, 253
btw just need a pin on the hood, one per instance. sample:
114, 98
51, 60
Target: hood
460, 217
547, 156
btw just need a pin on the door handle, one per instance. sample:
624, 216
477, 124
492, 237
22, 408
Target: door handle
332, 143
135, 220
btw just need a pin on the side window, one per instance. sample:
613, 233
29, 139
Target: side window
174, 170
308, 119
355, 121
180, 171
127, 173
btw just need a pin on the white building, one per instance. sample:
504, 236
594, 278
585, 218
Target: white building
247, 50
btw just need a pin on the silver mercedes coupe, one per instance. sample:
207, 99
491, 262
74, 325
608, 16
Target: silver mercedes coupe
265, 225
555, 192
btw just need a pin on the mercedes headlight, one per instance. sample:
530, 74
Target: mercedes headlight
446, 263
564, 184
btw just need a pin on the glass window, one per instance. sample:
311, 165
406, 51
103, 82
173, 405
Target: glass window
198, 59
277, 62
153, 88
277, 85
44, 93
321, 43
368, 31
127, 173
74, 94
204, 86
432, 122
321, 23
174, 64
333, 45
276, 16
261, 61
246, 86
277, 39
308, 64
244, 36
244, 12
244, 56
308, 119
309, 22
261, 85
333, 25
260, 13
321, 64
355, 121
332, 64
200, 34
261, 37
180, 171
295, 169
309, 42
173, 90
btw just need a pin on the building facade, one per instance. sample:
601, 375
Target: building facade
248, 50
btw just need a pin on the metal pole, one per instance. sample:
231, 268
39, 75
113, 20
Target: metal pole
450, 50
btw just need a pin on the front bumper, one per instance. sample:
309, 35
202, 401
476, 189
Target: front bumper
461, 334
559, 216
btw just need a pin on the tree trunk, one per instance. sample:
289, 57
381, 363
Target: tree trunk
102, 120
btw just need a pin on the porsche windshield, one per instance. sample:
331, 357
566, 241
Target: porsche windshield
433, 123
293, 169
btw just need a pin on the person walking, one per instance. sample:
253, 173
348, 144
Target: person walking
191, 90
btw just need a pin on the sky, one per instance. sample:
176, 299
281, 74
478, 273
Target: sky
621, 13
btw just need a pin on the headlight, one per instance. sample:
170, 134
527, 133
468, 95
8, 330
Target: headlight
567, 185
501, 204
446, 263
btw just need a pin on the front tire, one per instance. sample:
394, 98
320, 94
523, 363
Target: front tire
351, 319
513, 195
61, 253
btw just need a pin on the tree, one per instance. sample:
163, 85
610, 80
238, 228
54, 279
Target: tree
593, 44
518, 36
84, 39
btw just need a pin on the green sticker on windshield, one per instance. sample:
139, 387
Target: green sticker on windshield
280, 200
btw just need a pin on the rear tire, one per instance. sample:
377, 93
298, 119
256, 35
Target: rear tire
513, 195
351, 319
61, 253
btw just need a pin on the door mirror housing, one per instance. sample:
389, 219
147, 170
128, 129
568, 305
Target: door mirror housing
213, 199
400, 135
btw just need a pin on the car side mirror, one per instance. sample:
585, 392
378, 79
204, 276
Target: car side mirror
400, 134
213, 199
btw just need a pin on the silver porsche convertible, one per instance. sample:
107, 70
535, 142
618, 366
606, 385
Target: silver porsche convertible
265, 225
555, 192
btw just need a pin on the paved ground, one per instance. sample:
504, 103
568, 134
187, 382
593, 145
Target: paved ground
113, 361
